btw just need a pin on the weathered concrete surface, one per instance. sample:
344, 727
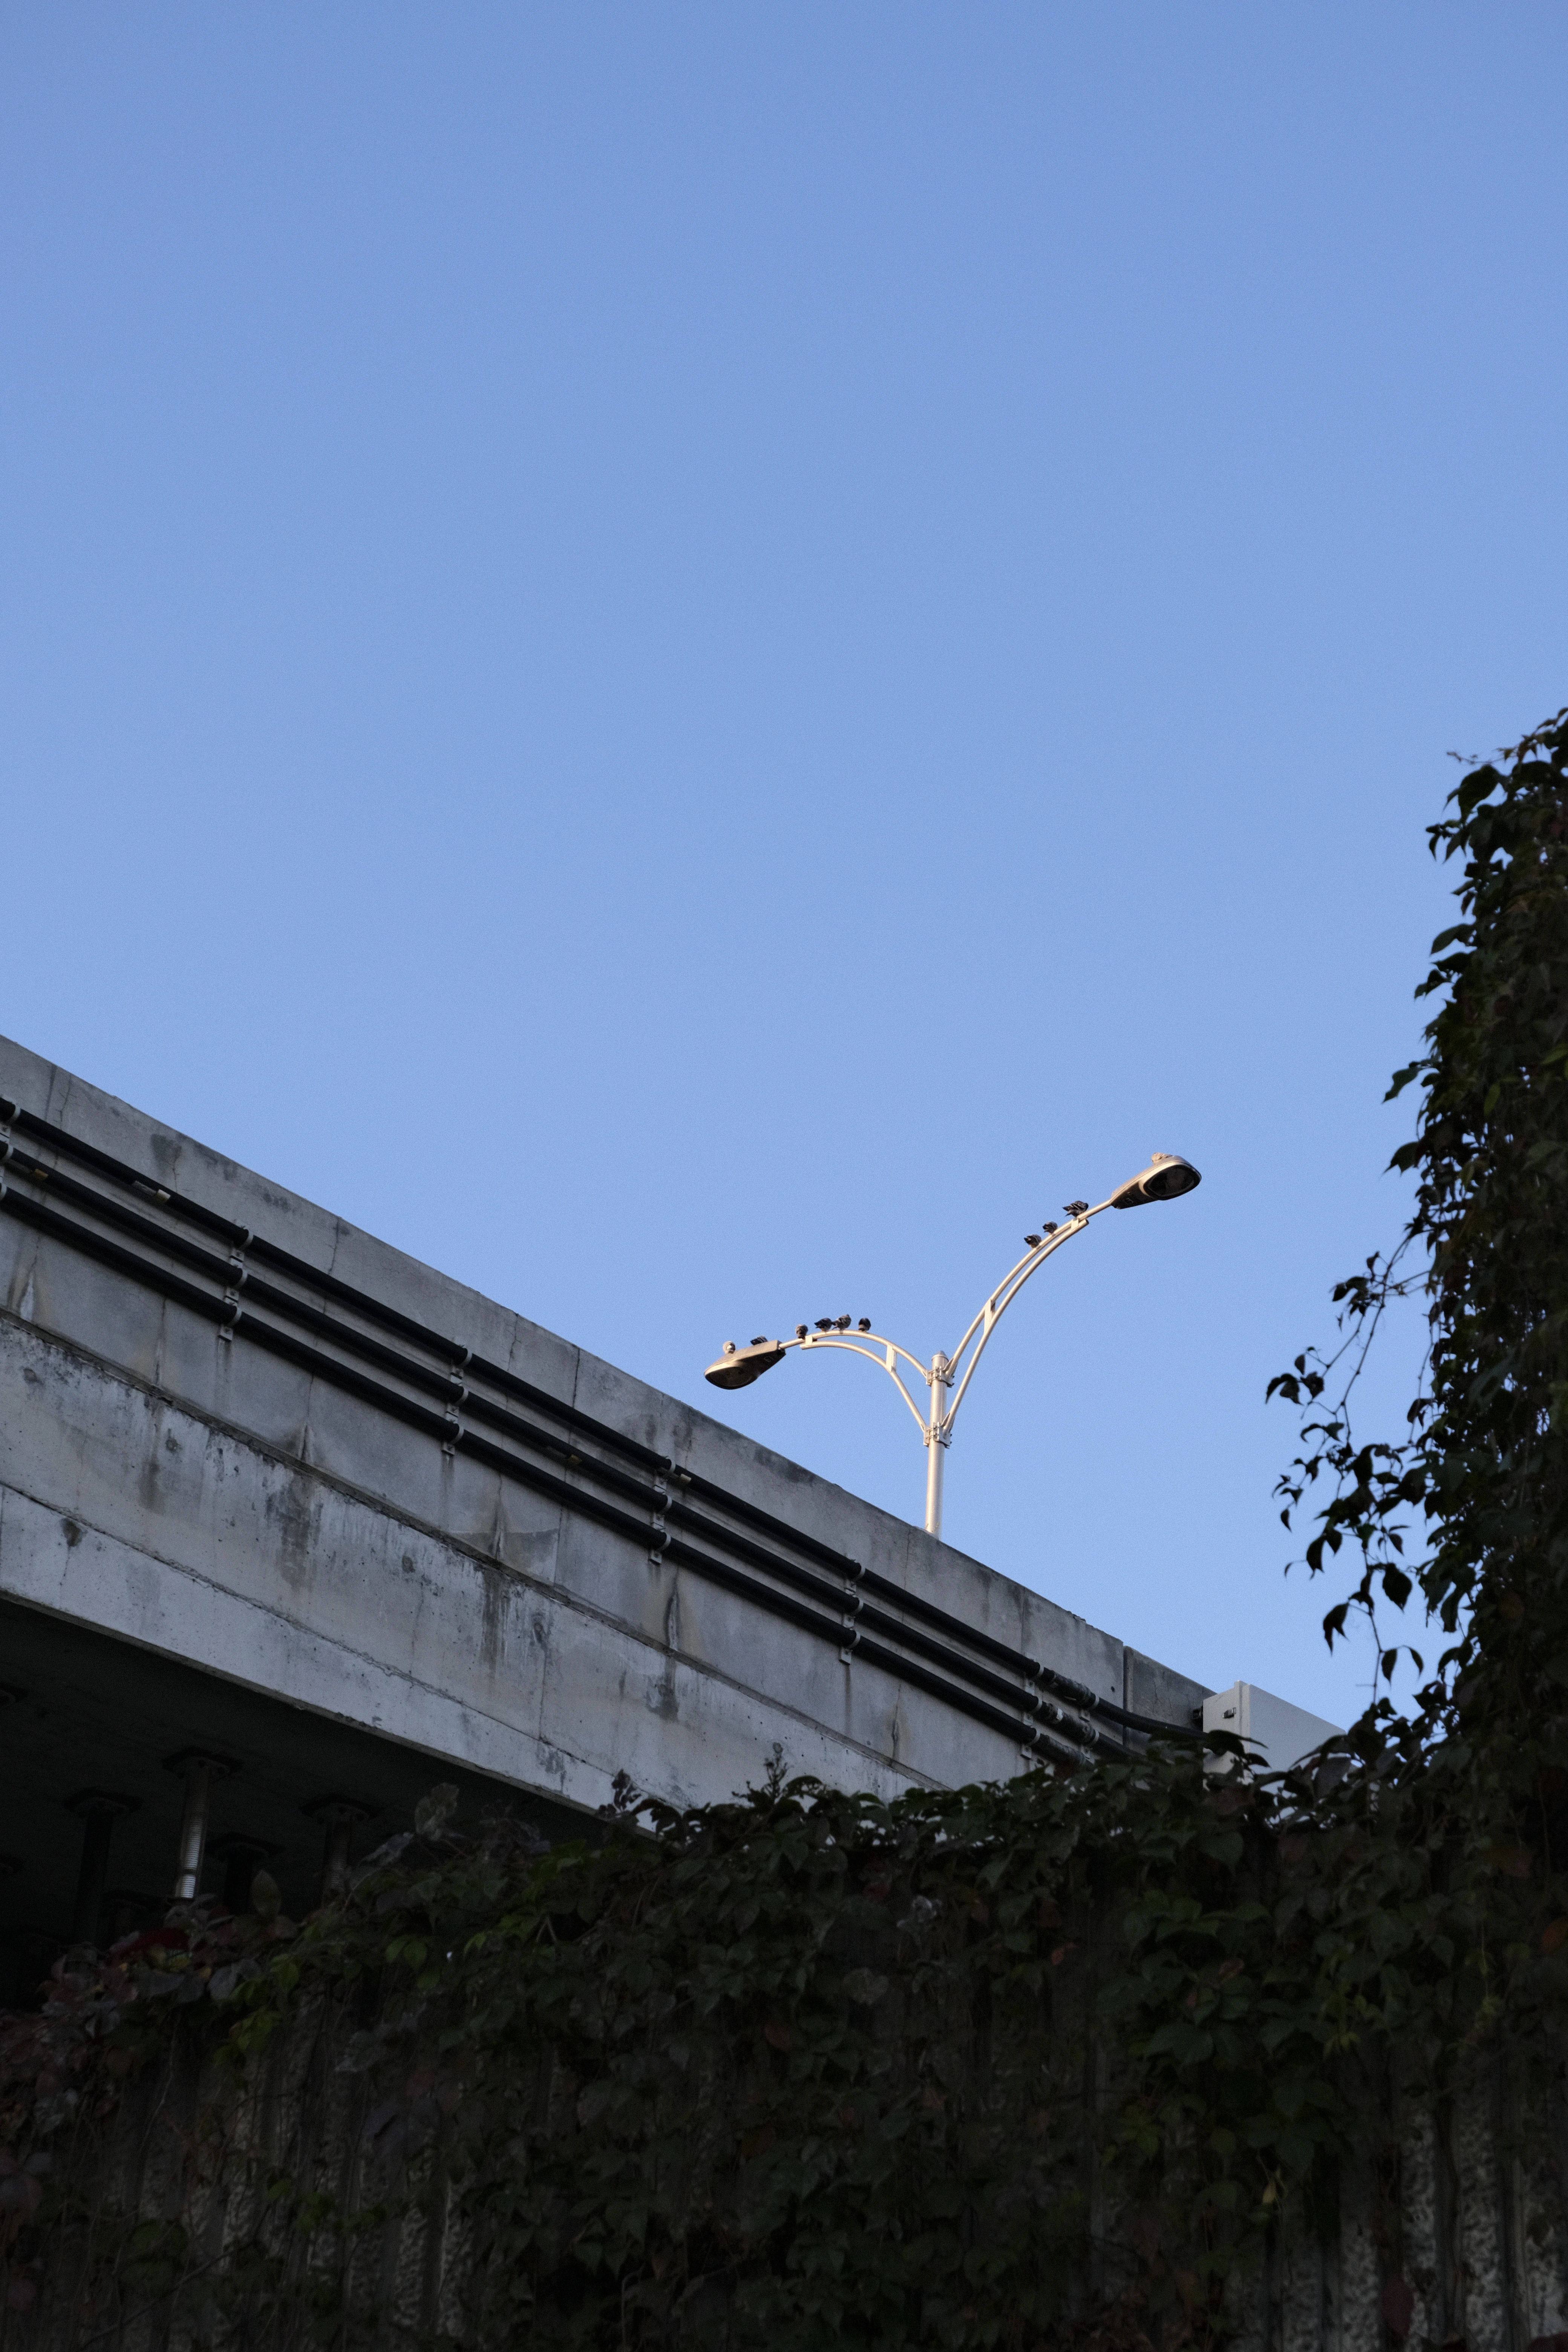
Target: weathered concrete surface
1439, 2221
207, 1501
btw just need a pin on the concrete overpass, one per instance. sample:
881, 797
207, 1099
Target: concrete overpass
292, 1526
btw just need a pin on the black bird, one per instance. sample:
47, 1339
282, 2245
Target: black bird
1050, 1229
864, 1324
1031, 1241
761, 1339
843, 1322
824, 1322
800, 1330
1075, 1208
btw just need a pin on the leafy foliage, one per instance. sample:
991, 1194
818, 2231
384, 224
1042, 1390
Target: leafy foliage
1483, 1470
1001, 2066
1037, 2064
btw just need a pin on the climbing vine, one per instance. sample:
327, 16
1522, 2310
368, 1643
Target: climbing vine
1479, 1481
1041, 2064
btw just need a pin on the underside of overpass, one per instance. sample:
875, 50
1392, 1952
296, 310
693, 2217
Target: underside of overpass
94, 1731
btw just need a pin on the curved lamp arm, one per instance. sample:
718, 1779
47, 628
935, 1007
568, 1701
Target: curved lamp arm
1001, 1298
889, 1350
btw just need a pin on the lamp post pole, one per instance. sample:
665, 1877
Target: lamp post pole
936, 1441
1166, 1178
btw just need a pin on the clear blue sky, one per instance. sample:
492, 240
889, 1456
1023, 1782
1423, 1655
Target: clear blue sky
696, 659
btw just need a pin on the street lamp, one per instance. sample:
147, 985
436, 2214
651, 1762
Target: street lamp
1166, 1178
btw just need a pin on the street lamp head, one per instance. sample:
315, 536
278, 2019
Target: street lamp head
737, 1368
1166, 1178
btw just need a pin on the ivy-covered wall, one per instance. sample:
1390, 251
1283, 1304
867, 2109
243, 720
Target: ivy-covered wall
1041, 2064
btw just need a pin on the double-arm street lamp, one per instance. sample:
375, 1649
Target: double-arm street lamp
1166, 1178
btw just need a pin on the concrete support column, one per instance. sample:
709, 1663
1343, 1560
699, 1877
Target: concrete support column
242, 1856
99, 1809
338, 1816
199, 1768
